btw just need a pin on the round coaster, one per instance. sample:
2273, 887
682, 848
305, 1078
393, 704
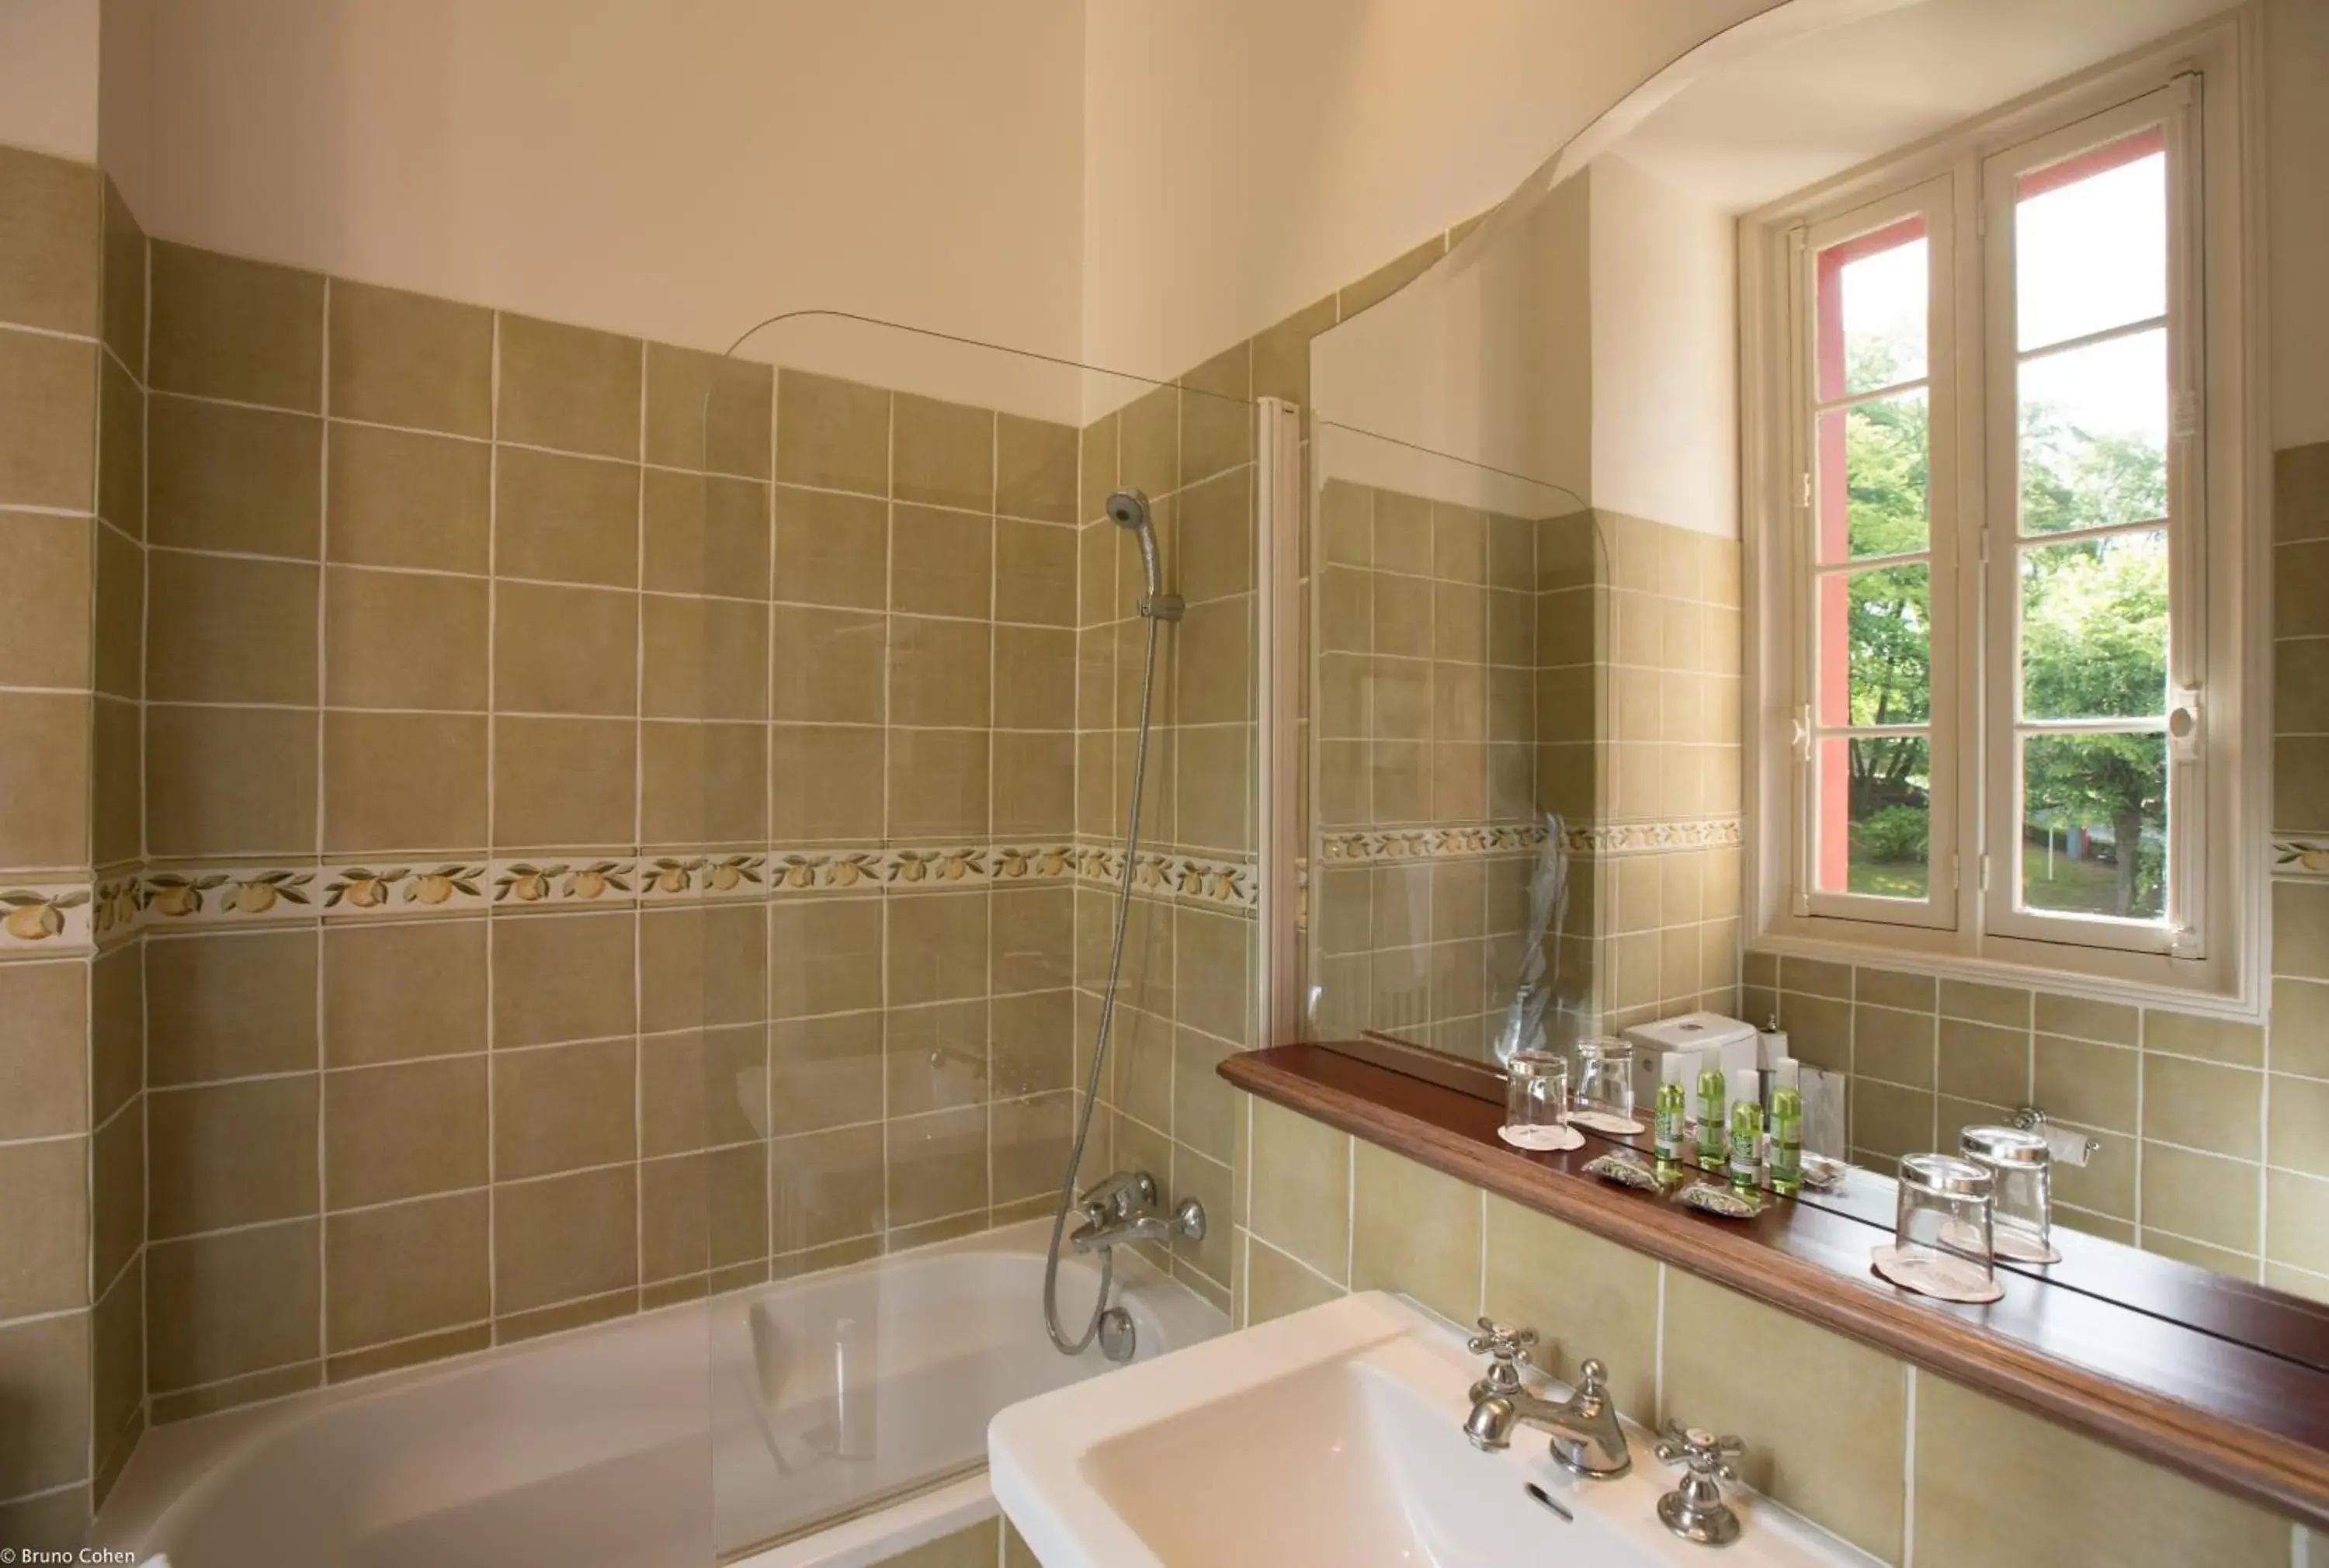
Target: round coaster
1935, 1274
1542, 1139
2021, 1250
1606, 1122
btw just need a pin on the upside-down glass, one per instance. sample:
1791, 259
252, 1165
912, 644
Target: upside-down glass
1605, 1085
1942, 1227
1536, 1098
2021, 1171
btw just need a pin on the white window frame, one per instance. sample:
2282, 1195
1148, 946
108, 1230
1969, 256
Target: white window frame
2206, 955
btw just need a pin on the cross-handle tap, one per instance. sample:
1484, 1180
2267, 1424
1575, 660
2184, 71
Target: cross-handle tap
1510, 1348
1695, 1511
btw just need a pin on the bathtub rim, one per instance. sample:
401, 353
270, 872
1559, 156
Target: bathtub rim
177, 1465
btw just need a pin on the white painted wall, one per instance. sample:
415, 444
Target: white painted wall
1665, 353
677, 170
1244, 158
48, 76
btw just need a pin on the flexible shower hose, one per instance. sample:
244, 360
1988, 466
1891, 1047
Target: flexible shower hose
1074, 1347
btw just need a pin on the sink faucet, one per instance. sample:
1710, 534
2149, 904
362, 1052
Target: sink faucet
1122, 1208
1586, 1437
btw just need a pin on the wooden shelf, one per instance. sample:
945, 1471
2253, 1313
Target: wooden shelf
2242, 1418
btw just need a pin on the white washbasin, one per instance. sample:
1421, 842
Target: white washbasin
1330, 1437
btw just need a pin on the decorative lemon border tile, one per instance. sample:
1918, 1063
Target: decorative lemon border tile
1198, 879
1462, 841
2300, 858
54, 917
1651, 837
48, 918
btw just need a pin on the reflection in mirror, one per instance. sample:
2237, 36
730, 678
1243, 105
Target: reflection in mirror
1963, 232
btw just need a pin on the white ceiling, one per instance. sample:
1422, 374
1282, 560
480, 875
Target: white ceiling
1792, 115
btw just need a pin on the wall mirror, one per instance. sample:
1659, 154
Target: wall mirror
1819, 487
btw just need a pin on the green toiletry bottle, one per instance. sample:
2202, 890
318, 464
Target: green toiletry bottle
1711, 1134
1746, 1130
1786, 1131
1670, 1124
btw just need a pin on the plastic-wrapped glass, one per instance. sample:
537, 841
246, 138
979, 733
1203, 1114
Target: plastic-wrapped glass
2022, 1172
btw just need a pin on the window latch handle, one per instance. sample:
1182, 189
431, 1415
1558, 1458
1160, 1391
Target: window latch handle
2186, 731
1800, 739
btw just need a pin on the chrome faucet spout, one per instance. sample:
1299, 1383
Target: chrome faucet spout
1587, 1438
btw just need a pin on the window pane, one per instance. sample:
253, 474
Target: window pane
2094, 824
1876, 647
1872, 479
1874, 305
2094, 628
1875, 816
2090, 241
2094, 435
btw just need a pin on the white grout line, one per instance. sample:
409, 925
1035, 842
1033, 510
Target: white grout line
1908, 1465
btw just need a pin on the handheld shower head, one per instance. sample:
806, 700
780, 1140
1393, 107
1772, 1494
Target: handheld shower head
1128, 509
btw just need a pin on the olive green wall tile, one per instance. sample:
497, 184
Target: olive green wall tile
225, 629
2300, 1028
405, 640
244, 330
941, 562
2298, 1133
44, 1261
2216, 1260
412, 360
1897, 1046
565, 650
230, 1006
219, 477
824, 1187
45, 1367
2081, 1018
562, 977
1031, 1138
2214, 1039
828, 664
1890, 1120
566, 518
1034, 782
702, 965
703, 1088
229, 781
117, 1193
939, 785
1584, 1296
401, 782
2300, 928
563, 782
564, 1107
1148, 449
49, 245
1099, 443
826, 1072
2094, 1086
54, 1521
825, 784
703, 657
1993, 1482
938, 1165
407, 1270
942, 452
401, 992
2203, 1106
569, 388
1724, 1356
1034, 573
2301, 492
831, 549
705, 535
2297, 1221
825, 956
940, 671
565, 1238
1987, 1004
47, 579
1301, 1192
2204, 1197
937, 945
401, 498
2296, 610
221, 1155
405, 1129
120, 449
706, 411
1981, 1062
117, 660
43, 1069
2300, 803
834, 434
1217, 416
48, 409
1035, 469
702, 783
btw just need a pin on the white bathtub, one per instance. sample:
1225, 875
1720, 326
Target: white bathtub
831, 1420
